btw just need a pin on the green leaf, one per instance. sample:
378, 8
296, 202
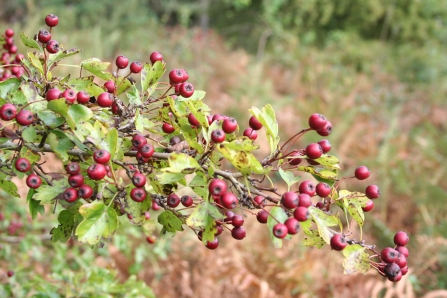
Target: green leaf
97, 67
198, 95
99, 223
34, 205
137, 209
243, 144
169, 178
50, 119
77, 114
29, 134
244, 161
181, 163
323, 222
151, 74
134, 96
65, 228
18, 98
58, 106
30, 43
80, 84
110, 142
356, 259
123, 84
198, 112
170, 221
268, 119
9, 187
32, 96
288, 177
329, 161
320, 172
281, 216
8, 86
47, 193
199, 217
35, 62
142, 123
60, 144
199, 184
314, 239
54, 58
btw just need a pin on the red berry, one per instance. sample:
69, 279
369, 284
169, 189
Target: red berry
238, 233
138, 141
229, 200
362, 173
301, 213
262, 216
52, 47
404, 270
326, 130
173, 200
97, 171
9, 32
304, 200
121, 62
73, 168
151, 239
69, 95
372, 192
83, 97
217, 187
53, 94
250, 133
293, 226
76, 180
139, 180
25, 117
147, 215
167, 128
289, 200
259, 201
22, 165
8, 111
218, 136
176, 76
10, 273
33, 181
155, 206
12, 49
218, 117
193, 120
219, 229
254, 123
44, 36
314, 150
140, 158
186, 89
212, 244
147, 151
138, 194
136, 67
295, 161
229, 125
110, 86
185, 75
101, 156
403, 250
51, 20
307, 187
317, 121
391, 270
401, 260
325, 145
389, 255
229, 215
369, 206
156, 56
401, 238
70, 195
323, 189
105, 99
338, 242
237, 220
280, 230
186, 201
85, 191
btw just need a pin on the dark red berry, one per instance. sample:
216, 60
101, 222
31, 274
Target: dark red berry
254, 123
105, 99
262, 216
362, 173
147, 151
229, 125
403, 250
326, 130
401, 260
52, 47
301, 213
22, 165
229, 215
53, 94
185, 75
121, 62
156, 56
404, 270
218, 136
293, 226
314, 150
69, 95
97, 171
138, 194
323, 189
338, 242
186, 89
110, 86
76, 180
70, 195
173, 200
401, 238
136, 67
8, 111
10, 273
212, 244
238, 233
250, 133
167, 128
25, 117
229, 200
389, 255
176, 76
307, 187
217, 187
259, 201
101, 156
295, 161
73, 168
193, 120
317, 121
280, 230
289, 200
237, 220
85, 191
151, 239
51, 20
369, 206
82, 97
304, 200
186, 201
218, 117
139, 180
44, 36
138, 141
391, 270
9, 32
33, 181
12, 49
372, 192
219, 229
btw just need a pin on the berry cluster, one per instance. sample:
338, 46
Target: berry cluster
394, 260
10, 59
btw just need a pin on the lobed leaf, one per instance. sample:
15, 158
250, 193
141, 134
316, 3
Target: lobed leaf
356, 259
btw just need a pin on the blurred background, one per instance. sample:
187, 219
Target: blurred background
377, 69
